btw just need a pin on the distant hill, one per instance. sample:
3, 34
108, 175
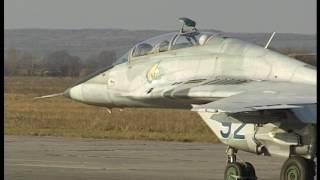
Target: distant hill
88, 42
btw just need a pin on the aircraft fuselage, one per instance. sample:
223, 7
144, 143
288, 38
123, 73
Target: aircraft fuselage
138, 82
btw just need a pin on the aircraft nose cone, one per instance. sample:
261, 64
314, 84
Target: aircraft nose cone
66, 93
74, 93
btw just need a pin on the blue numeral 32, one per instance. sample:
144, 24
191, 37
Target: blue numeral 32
235, 134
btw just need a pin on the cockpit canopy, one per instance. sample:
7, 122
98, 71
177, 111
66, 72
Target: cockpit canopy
169, 41
188, 36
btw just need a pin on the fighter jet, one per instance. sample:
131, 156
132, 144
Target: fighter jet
252, 98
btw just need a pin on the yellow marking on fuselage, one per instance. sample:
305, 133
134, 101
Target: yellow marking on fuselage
153, 73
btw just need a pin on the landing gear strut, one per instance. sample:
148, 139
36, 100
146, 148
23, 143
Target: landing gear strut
298, 168
236, 170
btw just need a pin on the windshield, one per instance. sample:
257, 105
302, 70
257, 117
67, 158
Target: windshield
153, 45
122, 59
170, 41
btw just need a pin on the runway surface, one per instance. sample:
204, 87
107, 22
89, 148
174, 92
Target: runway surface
38, 158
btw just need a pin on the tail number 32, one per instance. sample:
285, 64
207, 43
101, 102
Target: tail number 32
226, 132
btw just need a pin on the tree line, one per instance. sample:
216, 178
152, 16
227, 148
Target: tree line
57, 63
61, 63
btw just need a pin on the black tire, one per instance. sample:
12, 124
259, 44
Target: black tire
311, 167
297, 168
234, 169
250, 171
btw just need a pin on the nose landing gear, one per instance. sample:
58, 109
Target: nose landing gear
236, 170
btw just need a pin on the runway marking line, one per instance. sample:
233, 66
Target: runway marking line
63, 166
43, 161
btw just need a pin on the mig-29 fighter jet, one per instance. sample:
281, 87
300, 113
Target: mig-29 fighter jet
252, 98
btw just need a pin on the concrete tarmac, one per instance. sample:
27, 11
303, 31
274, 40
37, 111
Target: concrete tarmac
57, 158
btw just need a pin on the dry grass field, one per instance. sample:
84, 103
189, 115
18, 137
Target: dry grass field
63, 117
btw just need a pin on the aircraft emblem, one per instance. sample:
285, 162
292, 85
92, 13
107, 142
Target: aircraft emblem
153, 73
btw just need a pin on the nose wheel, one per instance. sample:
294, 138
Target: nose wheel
250, 171
298, 168
234, 171
238, 170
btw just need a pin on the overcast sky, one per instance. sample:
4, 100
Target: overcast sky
287, 16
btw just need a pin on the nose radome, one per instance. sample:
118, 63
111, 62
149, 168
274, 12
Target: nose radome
74, 93
66, 93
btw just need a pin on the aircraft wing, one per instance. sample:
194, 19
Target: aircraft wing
259, 100
250, 96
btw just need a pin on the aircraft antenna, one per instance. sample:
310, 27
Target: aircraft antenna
269, 40
49, 96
